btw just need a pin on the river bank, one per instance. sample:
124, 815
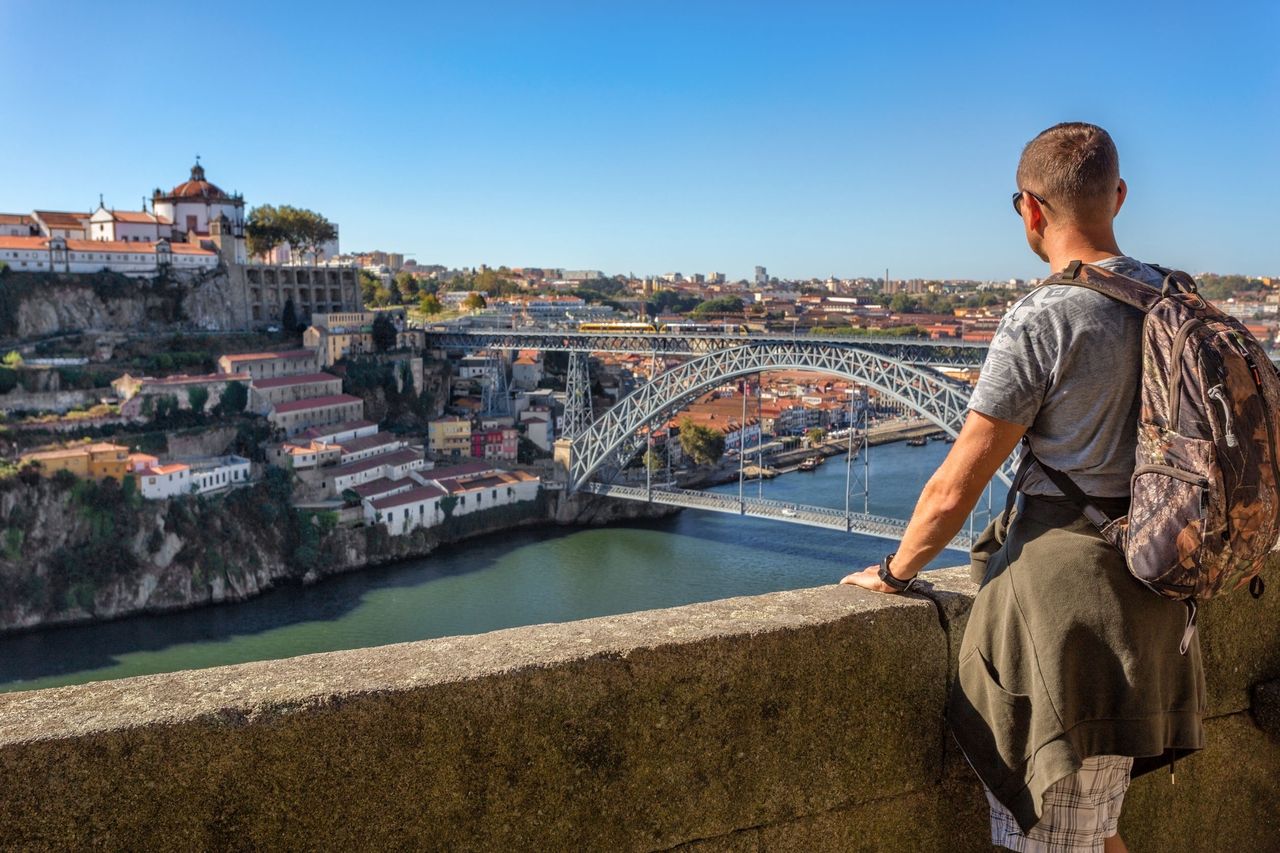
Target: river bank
530, 575
79, 552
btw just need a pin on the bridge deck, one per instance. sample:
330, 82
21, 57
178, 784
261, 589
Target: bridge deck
812, 516
956, 353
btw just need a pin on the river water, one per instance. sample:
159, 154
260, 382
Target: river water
521, 578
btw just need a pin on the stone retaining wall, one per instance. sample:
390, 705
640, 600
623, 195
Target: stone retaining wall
50, 401
807, 720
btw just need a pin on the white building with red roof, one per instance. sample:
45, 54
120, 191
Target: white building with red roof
61, 223
393, 466
268, 365
17, 225
300, 415
129, 226
338, 433
66, 255
266, 393
404, 511
164, 481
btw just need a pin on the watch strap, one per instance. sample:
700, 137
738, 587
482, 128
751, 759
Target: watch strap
898, 584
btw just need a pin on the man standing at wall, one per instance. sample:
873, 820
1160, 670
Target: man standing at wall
1070, 677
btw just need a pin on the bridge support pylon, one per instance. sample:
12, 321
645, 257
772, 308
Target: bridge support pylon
577, 405
562, 454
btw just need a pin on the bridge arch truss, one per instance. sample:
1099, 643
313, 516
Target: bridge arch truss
615, 437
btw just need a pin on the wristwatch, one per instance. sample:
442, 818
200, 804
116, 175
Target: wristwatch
887, 577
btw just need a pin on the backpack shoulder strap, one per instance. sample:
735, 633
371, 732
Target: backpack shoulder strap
1120, 287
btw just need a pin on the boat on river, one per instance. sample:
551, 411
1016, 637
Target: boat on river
810, 463
917, 442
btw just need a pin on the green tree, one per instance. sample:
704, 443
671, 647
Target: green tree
904, 303
407, 284
12, 358
429, 304
166, 405
198, 398
703, 445
447, 504
474, 302
720, 305
653, 461
235, 398
304, 230
384, 333
815, 436
369, 284
263, 230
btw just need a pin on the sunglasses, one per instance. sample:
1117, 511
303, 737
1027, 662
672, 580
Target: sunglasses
1017, 200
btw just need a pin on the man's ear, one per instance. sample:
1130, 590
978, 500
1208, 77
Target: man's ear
1122, 192
1035, 213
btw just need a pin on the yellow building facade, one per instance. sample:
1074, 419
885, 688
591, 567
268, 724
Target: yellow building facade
97, 461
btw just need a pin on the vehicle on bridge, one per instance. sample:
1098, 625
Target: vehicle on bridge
630, 328
642, 327
706, 328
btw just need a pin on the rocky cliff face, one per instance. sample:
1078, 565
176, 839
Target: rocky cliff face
73, 551
41, 304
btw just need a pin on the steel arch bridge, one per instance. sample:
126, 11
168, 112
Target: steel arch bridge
611, 440
948, 353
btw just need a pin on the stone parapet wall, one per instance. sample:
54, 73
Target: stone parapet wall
806, 720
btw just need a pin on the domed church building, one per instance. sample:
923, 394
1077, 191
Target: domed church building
200, 210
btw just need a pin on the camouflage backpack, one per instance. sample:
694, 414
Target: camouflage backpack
1205, 507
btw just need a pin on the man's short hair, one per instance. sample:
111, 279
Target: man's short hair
1074, 165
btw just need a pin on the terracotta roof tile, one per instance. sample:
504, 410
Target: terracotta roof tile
422, 493
315, 403
297, 379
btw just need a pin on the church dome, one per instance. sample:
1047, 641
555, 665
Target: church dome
197, 187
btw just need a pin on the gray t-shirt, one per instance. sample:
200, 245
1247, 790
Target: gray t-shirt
1066, 363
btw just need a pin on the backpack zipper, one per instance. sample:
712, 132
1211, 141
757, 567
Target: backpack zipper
1175, 473
1175, 381
1219, 393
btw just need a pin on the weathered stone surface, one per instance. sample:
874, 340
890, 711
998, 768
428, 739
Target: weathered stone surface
1266, 708
1226, 796
947, 818
952, 592
807, 720
631, 732
1236, 656
746, 841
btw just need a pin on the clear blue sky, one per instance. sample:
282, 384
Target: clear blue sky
647, 137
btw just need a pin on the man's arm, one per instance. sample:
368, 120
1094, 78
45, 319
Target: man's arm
948, 498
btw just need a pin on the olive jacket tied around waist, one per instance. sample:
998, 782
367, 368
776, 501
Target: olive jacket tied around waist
1067, 656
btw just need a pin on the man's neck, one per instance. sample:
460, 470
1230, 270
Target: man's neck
1075, 246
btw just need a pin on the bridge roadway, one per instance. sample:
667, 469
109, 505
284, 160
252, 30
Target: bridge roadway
907, 350
812, 516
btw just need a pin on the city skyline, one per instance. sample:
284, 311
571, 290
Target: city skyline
826, 142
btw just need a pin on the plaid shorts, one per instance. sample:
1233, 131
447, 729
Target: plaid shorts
1079, 811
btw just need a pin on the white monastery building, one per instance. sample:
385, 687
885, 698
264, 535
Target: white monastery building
60, 254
